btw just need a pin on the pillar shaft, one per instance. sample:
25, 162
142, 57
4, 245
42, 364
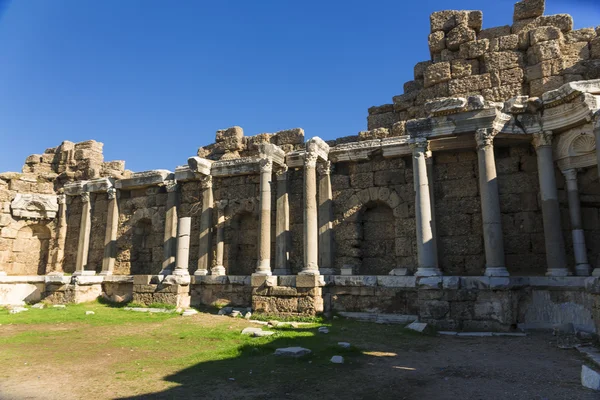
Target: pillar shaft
170, 235
110, 236
85, 229
325, 217
555, 246
219, 269
425, 243
490, 205
311, 223
430, 180
282, 225
205, 226
597, 136
61, 236
582, 267
184, 227
263, 266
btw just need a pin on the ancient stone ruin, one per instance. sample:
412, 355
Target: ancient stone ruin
471, 202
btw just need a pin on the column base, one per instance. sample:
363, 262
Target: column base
262, 273
84, 273
558, 272
400, 272
428, 271
583, 270
218, 270
180, 272
309, 272
282, 271
165, 272
496, 271
201, 272
105, 273
596, 272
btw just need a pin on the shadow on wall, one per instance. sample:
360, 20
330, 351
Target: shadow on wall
240, 244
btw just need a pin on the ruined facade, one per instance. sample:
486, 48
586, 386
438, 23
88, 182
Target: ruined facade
472, 201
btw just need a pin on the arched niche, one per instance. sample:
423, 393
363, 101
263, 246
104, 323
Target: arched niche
30, 250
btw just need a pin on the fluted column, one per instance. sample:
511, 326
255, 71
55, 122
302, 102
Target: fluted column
170, 235
110, 236
555, 246
219, 269
263, 266
205, 226
425, 243
430, 180
325, 216
582, 267
282, 224
184, 227
490, 204
85, 229
61, 236
311, 223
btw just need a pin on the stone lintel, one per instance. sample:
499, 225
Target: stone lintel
569, 91
209, 280
236, 167
22, 279
579, 110
100, 185
446, 106
119, 278
140, 180
295, 159
183, 173
318, 146
272, 152
199, 165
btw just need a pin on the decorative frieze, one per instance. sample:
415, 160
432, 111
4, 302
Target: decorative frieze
35, 206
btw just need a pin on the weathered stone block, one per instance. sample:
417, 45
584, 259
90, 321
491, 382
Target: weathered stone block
503, 60
595, 48
474, 49
437, 41
290, 136
492, 33
458, 36
420, 68
543, 34
412, 86
538, 86
526, 9
404, 101
564, 22
464, 68
543, 51
502, 93
576, 50
437, 73
469, 84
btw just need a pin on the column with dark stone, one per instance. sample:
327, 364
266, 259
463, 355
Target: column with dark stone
282, 224
325, 216
205, 242
61, 235
597, 136
430, 180
85, 229
490, 204
425, 242
311, 223
110, 236
264, 220
170, 235
219, 269
555, 246
582, 267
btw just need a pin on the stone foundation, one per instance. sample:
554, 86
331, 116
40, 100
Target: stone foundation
149, 289
219, 291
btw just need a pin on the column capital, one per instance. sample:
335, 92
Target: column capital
281, 173
420, 145
485, 137
112, 193
324, 168
206, 182
221, 204
570, 174
85, 197
171, 186
542, 139
310, 160
266, 165
62, 198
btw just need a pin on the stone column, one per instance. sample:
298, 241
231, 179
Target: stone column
430, 180
282, 224
184, 228
170, 236
85, 228
311, 223
597, 136
425, 243
490, 204
205, 243
582, 267
110, 237
219, 269
325, 216
61, 236
555, 246
263, 266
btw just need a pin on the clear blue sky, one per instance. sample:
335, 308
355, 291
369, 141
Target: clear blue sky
154, 80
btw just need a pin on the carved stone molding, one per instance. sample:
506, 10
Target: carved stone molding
266, 165
85, 197
35, 206
112, 193
324, 168
542, 139
418, 144
484, 138
206, 182
281, 173
310, 160
171, 185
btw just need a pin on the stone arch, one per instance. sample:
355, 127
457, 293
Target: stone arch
241, 236
30, 250
141, 247
377, 232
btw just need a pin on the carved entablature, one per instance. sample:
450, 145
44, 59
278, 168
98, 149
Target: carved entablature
140, 180
35, 206
361, 151
576, 148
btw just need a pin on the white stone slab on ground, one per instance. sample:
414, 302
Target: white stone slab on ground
590, 378
38, 306
189, 312
475, 334
417, 326
344, 345
323, 329
337, 359
263, 333
292, 351
250, 331
89, 313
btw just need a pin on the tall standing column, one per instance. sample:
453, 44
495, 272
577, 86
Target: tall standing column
205, 226
325, 216
555, 246
170, 236
582, 267
425, 243
490, 204
61, 236
85, 229
219, 269
184, 228
430, 180
110, 236
311, 223
263, 266
597, 136
282, 224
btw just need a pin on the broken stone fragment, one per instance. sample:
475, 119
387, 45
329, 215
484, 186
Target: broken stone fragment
590, 378
445, 106
526, 9
337, 359
292, 352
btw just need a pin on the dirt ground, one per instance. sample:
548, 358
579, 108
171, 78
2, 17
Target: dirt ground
85, 366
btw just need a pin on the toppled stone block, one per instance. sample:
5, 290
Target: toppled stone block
445, 106
417, 326
337, 359
378, 133
290, 136
437, 73
527, 9
323, 329
344, 345
230, 139
292, 351
458, 36
590, 378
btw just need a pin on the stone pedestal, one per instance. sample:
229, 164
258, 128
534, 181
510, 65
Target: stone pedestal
325, 217
311, 223
264, 233
555, 246
205, 227
282, 225
490, 205
300, 295
85, 228
425, 242
170, 236
582, 267
110, 237
219, 269
148, 290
